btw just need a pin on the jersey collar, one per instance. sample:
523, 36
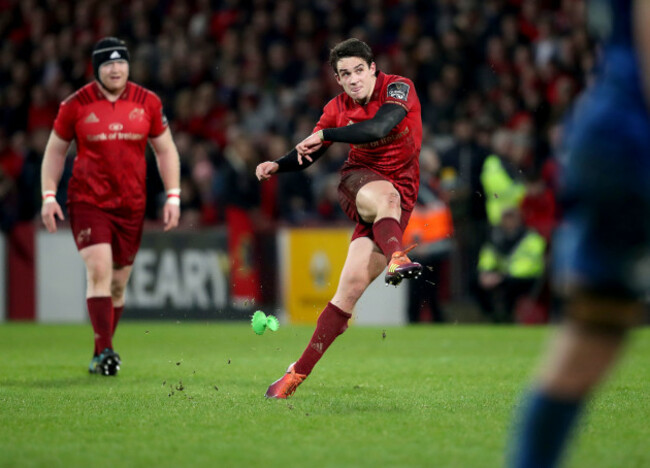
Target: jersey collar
379, 83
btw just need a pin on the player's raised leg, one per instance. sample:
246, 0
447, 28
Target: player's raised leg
99, 268
378, 202
362, 265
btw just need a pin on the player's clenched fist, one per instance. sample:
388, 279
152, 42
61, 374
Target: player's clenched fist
265, 170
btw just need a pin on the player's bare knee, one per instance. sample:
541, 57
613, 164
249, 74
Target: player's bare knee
98, 273
378, 200
388, 198
367, 213
117, 290
389, 205
393, 198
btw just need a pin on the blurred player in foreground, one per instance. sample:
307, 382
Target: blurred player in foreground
110, 120
604, 241
379, 116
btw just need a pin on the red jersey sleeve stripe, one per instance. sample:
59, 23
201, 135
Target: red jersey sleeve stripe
90, 97
82, 98
136, 93
140, 96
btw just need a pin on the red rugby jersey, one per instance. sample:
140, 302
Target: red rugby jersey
396, 156
110, 169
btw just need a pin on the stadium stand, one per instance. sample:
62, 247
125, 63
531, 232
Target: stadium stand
242, 80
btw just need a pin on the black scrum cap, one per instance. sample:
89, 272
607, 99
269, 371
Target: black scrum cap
107, 50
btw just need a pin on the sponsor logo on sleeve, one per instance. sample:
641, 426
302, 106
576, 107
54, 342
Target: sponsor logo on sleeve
163, 118
398, 90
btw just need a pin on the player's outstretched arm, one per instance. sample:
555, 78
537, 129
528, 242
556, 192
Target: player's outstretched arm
290, 162
386, 118
51, 171
169, 167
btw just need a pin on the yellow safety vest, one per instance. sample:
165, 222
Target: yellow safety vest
525, 261
500, 190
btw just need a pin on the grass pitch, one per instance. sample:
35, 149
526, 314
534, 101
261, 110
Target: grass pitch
191, 394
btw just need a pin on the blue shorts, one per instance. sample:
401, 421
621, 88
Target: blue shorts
603, 243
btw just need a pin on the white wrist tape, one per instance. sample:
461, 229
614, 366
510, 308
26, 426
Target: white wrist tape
49, 196
174, 196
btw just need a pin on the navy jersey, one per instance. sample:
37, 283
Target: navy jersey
604, 239
611, 22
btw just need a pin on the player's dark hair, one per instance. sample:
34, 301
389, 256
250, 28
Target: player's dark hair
351, 48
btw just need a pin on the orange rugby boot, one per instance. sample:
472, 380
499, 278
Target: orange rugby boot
286, 385
401, 267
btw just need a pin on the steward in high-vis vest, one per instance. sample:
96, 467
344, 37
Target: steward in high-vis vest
521, 257
510, 264
430, 226
500, 188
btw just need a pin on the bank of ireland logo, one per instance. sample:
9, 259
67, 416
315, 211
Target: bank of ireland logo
115, 127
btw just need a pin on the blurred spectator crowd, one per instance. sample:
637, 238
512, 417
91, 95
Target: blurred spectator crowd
242, 81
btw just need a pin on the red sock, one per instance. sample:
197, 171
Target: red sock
330, 324
388, 236
100, 310
117, 314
